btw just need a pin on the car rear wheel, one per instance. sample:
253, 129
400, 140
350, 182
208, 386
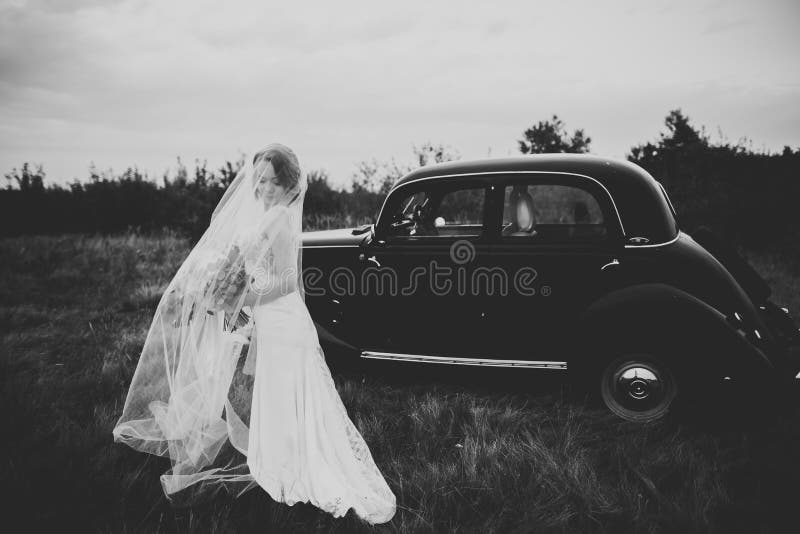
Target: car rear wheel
638, 388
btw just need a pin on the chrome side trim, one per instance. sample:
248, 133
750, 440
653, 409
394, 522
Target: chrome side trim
330, 246
665, 243
530, 364
664, 192
488, 173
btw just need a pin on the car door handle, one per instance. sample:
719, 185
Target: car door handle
373, 259
613, 262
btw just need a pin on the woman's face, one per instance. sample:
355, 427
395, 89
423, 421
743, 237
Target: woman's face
266, 184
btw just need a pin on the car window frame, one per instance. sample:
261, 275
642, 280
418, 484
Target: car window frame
615, 230
444, 185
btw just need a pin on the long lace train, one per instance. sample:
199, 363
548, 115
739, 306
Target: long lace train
302, 445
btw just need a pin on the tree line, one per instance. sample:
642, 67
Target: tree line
747, 196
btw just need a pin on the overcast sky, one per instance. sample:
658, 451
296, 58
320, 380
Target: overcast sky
139, 82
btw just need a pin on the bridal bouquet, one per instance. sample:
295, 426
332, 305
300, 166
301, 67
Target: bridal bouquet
224, 278
216, 282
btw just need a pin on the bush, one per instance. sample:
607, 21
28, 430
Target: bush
745, 196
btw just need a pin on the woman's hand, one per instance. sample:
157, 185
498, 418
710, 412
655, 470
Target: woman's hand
242, 319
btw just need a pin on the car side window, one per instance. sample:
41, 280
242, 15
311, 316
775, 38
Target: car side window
439, 213
552, 213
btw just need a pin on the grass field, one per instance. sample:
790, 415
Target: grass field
74, 312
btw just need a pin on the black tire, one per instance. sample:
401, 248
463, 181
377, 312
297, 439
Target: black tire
638, 387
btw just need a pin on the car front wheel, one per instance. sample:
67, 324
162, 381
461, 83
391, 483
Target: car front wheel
638, 388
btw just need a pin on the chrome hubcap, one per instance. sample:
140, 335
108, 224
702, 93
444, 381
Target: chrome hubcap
638, 386
638, 382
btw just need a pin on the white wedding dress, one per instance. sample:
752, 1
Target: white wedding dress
277, 420
302, 445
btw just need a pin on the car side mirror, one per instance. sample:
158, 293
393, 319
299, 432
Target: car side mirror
363, 229
439, 222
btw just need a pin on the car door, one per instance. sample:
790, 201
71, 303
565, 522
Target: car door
561, 258
430, 239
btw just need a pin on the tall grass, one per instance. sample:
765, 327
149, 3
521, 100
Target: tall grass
460, 456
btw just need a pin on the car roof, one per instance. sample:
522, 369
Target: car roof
643, 207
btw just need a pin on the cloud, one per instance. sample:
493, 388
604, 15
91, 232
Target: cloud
719, 26
65, 6
140, 81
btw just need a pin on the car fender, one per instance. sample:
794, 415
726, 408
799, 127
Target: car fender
691, 335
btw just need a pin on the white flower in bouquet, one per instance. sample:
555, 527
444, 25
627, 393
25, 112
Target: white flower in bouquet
224, 279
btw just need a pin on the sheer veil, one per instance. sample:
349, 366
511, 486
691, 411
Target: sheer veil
190, 395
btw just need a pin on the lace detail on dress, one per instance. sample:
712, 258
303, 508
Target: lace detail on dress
266, 232
334, 507
359, 447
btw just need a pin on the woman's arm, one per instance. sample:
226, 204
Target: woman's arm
269, 286
277, 275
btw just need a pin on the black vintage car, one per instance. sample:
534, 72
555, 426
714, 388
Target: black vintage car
569, 263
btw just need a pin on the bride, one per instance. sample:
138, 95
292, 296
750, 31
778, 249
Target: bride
272, 418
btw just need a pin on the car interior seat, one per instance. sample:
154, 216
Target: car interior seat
523, 200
